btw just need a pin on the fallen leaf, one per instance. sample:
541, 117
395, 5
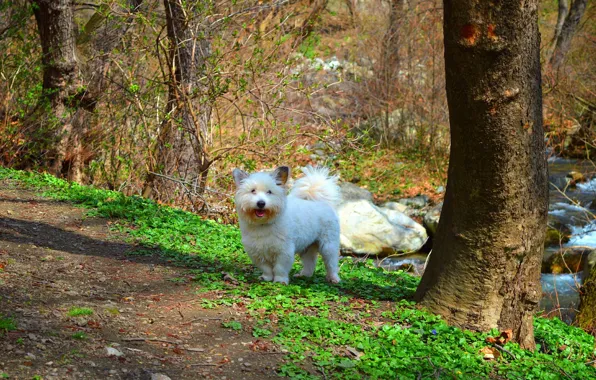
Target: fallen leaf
489, 353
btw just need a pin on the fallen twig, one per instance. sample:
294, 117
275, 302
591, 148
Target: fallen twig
205, 319
505, 350
149, 340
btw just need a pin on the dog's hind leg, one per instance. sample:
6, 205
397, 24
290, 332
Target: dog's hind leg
330, 252
309, 261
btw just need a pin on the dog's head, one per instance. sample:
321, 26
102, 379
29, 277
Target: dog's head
261, 197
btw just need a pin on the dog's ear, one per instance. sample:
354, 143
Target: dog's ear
239, 176
281, 175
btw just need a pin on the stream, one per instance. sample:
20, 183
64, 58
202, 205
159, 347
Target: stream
570, 206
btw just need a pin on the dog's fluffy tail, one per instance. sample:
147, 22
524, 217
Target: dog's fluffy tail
317, 185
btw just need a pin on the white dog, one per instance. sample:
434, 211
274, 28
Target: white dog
276, 226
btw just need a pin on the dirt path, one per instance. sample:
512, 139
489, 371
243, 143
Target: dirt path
54, 259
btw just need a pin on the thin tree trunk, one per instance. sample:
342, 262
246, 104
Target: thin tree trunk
101, 34
563, 44
55, 25
484, 271
561, 16
390, 66
181, 150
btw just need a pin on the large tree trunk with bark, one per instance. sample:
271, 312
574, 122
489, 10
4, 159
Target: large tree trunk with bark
484, 270
181, 157
55, 26
568, 29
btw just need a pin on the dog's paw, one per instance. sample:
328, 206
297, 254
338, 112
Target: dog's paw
303, 275
334, 279
282, 280
266, 278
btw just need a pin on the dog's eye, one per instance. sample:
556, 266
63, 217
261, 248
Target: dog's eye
269, 192
253, 191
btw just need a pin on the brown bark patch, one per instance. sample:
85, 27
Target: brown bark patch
490, 32
470, 34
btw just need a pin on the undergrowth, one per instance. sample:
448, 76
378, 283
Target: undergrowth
365, 327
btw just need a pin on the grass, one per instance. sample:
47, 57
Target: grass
79, 335
7, 324
79, 311
365, 327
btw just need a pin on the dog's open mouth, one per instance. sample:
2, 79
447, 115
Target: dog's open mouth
260, 213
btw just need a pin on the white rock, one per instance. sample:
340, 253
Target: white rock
368, 229
111, 351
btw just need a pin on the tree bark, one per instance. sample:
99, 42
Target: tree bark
181, 151
586, 317
101, 34
390, 66
563, 44
55, 26
561, 16
484, 270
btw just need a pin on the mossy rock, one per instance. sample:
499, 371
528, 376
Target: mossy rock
566, 261
556, 234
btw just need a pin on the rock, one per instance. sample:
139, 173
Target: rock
567, 260
318, 145
418, 201
368, 229
556, 234
431, 219
575, 177
159, 376
589, 263
351, 192
111, 351
440, 190
397, 207
592, 205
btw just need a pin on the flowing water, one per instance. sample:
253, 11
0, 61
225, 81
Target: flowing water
572, 206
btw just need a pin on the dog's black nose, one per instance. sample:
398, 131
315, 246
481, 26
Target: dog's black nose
261, 204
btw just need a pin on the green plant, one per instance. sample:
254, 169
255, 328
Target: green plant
79, 335
234, 325
7, 324
79, 311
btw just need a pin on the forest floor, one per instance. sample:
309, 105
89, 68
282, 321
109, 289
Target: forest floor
75, 290
98, 285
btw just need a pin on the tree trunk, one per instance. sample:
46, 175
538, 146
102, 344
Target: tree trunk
484, 270
101, 34
55, 25
181, 151
390, 66
586, 317
563, 44
561, 16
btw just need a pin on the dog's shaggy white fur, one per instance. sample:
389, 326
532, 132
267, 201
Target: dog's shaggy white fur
276, 226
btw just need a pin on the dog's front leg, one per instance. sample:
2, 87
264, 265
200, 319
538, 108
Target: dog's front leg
282, 267
264, 266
